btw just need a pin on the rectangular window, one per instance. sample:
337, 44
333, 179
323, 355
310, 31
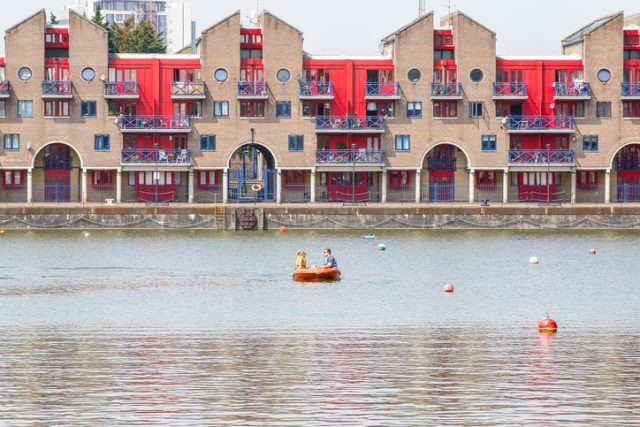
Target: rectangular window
476, 109
489, 142
101, 143
207, 179
11, 141
3, 108
56, 108
221, 108
102, 179
445, 109
603, 109
296, 142
208, 142
25, 108
313, 109
403, 142
414, 109
88, 108
13, 179
252, 109
631, 109
590, 143
283, 109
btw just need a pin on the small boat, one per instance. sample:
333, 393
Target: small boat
317, 274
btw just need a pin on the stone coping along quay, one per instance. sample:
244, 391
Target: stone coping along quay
311, 216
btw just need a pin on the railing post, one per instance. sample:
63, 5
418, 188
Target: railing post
30, 185
225, 185
607, 186
505, 187
573, 186
472, 186
84, 186
119, 185
191, 187
383, 198
312, 190
418, 185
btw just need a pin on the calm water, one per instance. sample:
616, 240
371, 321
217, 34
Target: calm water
207, 328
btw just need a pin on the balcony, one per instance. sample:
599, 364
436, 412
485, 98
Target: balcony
572, 91
121, 90
441, 164
538, 157
381, 91
253, 90
513, 90
57, 89
349, 124
630, 91
626, 164
156, 156
350, 157
5, 90
155, 124
446, 91
540, 124
316, 90
188, 90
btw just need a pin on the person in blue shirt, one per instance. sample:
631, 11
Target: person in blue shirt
330, 259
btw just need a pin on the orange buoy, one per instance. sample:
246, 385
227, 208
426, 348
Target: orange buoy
547, 325
283, 229
1, 231
592, 251
448, 287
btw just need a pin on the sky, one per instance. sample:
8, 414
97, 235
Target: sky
355, 27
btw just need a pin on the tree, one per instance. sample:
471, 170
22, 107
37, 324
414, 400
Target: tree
98, 19
137, 38
53, 19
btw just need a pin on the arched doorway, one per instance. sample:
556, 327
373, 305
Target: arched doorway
626, 166
252, 174
447, 178
57, 174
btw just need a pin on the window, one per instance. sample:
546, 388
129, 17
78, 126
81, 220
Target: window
25, 73
283, 75
13, 179
574, 109
221, 108
294, 178
504, 109
296, 142
604, 75
313, 109
384, 109
208, 142
101, 143
476, 75
442, 54
252, 109
88, 108
102, 179
631, 110
207, 179
603, 109
399, 179
11, 141
587, 179
414, 109
283, 109
486, 179
414, 75
590, 142
476, 109
445, 109
56, 108
126, 109
3, 108
184, 109
88, 74
221, 75
631, 54
489, 142
122, 75
25, 108
403, 142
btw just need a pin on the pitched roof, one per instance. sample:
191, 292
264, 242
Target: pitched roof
579, 35
391, 37
41, 11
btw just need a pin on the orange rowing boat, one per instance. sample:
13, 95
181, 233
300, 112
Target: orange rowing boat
317, 274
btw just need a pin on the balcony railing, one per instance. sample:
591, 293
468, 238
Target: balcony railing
5, 89
441, 164
350, 123
510, 90
540, 124
631, 89
626, 164
341, 157
541, 156
120, 89
156, 156
187, 90
446, 90
253, 90
316, 90
57, 89
382, 90
573, 90
155, 123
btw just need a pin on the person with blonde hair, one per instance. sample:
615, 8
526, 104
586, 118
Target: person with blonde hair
301, 260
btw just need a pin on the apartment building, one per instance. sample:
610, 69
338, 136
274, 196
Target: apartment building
437, 117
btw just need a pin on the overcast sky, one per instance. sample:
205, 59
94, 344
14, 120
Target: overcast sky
355, 27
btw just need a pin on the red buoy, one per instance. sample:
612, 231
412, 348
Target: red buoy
448, 287
592, 251
283, 229
547, 325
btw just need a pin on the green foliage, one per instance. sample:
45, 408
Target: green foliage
53, 20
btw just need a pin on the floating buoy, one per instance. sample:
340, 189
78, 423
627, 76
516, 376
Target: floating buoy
382, 247
534, 260
1, 231
86, 234
592, 251
283, 229
369, 237
547, 325
448, 287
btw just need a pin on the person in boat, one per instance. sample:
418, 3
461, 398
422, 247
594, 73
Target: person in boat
301, 260
330, 260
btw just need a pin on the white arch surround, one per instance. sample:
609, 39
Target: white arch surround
424, 156
233, 151
35, 155
615, 153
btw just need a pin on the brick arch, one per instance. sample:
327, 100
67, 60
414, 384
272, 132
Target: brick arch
615, 153
431, 147
260, 146
75, 150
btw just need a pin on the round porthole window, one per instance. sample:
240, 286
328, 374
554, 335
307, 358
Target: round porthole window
283, 75
88, 74
221, 75
25, 73
476, 75
604, 75
414, 75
